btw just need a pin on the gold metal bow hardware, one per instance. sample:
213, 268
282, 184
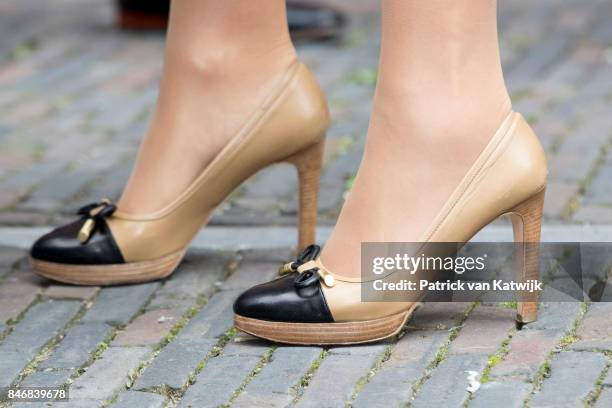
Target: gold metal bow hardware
94, 213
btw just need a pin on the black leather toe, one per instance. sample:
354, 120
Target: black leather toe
62, 246
282, 301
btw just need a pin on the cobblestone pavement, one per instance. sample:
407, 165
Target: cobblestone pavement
75, 95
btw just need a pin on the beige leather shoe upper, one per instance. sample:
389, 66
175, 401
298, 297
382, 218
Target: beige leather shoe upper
511, 169
292, 118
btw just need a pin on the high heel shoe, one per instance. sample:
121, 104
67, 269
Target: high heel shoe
106, 246
313, 305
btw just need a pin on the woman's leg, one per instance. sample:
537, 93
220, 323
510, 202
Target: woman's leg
440, 97
222, 58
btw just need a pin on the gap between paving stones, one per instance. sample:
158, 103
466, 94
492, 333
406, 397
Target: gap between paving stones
594, 395
46, 351
52, 345
298, 389
201, 302
175, 396
566, 340
381, 359
442, 352
12, 322
103, 345
265, 359
593, 172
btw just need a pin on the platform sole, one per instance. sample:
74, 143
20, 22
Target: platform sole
103, 275
324, 333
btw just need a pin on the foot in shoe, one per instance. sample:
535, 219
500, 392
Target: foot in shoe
317, 304
109, 246
444, 157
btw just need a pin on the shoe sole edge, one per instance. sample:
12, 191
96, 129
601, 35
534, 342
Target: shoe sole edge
107, 275
342, 333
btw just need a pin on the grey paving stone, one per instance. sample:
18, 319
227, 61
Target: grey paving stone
174, 364
221, 376
447, 386
438, 315
251, 273
16, 294
274, 181
273, 385
605, 399
334, 382
595, 332
501, 394
179, 359
76, 347
196, 276
392, 384
484, 330
50, 194
594, 214
77, 403
108, 374
12, 364
572, 378
8, 256
245, 345
39, 325
47, 378
136, 399
110, 185
117, 305
33, 405
527, 351
555, 316
213, 320
71, 292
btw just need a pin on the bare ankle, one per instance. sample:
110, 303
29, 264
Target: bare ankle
440, 118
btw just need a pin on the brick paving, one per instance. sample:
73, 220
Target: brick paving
75, 95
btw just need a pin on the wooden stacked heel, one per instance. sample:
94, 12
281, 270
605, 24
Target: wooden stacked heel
308, 163
527, 224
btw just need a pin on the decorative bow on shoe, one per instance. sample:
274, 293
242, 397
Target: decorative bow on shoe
94, 212
310, 271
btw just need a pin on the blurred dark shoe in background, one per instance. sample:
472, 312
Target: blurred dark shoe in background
308, 20
143, 14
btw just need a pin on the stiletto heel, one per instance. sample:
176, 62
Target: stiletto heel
527, 224
308, 163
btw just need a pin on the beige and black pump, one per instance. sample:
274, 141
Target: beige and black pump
313, 305
106, 246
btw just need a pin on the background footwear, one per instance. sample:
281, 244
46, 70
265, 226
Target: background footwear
308, 20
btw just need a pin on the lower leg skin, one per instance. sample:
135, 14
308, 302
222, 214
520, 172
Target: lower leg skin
222, 59
440, 97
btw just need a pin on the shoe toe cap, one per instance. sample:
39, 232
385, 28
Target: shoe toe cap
280, 301
52, 247
62, 246
260, 302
